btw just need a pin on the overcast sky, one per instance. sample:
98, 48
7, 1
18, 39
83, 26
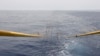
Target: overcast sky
49, 4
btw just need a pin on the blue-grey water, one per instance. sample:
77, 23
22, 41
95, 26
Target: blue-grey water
56, 26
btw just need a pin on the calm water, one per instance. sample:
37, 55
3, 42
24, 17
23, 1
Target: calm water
56, 26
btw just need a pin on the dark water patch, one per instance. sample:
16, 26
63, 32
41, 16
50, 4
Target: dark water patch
9, 53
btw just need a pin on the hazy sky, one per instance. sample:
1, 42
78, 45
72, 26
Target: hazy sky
49, 4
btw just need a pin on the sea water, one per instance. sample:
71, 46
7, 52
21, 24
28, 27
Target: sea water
55, 26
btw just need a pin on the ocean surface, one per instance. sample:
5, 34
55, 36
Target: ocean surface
56, 27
